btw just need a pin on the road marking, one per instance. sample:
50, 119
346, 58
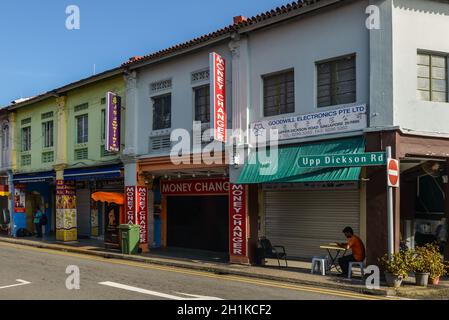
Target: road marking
21, 283
155, 293
149, 266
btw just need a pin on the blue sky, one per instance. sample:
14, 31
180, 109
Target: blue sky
38, 53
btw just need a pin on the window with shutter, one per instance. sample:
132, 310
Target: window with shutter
162, 112
202, 104
279, 94
336, 82
432, 77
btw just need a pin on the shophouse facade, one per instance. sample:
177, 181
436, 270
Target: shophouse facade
334, 77
187, 202
63, 162
6, 167
394, 79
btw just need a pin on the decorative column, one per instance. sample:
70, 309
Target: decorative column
132, 115
66, 213
240, 84
13, 168
61, 135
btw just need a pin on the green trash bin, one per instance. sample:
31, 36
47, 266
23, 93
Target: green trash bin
129, 238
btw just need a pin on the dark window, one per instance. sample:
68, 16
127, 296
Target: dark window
47, 131
202, 104
82, 129
5, 137
103, 124
162, 112
336, 82
26, 139
432, 77
279, 94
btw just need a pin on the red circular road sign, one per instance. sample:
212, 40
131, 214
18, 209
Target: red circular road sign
393, 172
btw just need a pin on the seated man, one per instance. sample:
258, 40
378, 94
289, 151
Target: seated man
358, 250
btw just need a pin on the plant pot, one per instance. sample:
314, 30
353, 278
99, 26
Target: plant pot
435, 281
422, 279
392, 280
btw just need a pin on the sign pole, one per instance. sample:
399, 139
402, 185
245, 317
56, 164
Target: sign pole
390, 212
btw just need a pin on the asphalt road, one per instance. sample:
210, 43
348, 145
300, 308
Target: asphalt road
36, 274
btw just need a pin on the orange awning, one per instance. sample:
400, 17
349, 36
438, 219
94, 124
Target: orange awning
111, 197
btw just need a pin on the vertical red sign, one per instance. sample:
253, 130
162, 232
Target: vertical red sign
130, 195
237, 220
142, 213
218, 96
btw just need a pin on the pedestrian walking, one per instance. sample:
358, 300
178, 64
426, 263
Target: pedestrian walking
38, 222
441, 235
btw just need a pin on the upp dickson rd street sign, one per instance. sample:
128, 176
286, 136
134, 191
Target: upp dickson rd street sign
343, 160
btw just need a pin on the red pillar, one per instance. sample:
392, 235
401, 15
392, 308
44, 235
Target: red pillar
239, 224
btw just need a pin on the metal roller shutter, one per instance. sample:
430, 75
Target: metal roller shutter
303, 220
83, 211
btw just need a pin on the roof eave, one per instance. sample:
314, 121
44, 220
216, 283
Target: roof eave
319, 5
63, 90
241, 29
146, 62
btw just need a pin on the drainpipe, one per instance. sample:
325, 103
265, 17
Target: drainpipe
11, 203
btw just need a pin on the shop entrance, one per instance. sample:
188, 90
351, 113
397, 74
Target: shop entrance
198, 222
33, 201
423, 201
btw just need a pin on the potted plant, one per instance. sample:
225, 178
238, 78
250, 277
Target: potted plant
396, 268
436, 266
425, 264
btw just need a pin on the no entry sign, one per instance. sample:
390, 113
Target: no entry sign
393, 173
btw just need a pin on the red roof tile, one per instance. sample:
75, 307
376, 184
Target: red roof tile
227, 30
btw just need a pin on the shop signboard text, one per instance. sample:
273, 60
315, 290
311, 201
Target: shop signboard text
218, 96
113, 122
347, 119
343, 160
237, 217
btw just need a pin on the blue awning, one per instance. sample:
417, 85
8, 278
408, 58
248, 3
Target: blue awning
104, 173
48, 176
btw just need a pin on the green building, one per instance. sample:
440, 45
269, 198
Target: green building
61, 158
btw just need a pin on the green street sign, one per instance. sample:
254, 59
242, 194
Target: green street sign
343, 160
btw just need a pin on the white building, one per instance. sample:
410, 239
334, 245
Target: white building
335, 77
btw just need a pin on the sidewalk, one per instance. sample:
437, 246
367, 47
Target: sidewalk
297, 273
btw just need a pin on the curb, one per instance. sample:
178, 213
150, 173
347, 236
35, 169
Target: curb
212, 269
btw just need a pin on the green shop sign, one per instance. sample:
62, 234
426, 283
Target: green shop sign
343, 160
